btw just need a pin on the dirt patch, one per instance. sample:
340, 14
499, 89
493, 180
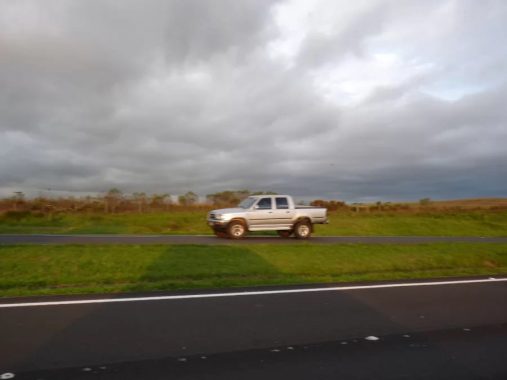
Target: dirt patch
489, 264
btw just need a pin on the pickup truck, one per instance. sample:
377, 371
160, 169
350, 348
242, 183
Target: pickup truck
266, 213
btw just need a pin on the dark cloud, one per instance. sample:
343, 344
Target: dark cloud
350, 101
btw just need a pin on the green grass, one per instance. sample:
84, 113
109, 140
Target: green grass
71, 269
473, 223
177, 222
478, 223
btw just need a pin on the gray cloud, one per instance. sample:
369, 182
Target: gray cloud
325, 49
170, 96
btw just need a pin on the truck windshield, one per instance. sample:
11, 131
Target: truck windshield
247, 203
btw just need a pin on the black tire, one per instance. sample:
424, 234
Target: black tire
236, 230
284, 233
303, 229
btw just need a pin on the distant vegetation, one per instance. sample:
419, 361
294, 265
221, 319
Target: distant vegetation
115, 201
117, 213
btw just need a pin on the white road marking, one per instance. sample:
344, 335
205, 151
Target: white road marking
249, 293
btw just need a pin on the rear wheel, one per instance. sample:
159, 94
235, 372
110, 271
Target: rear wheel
236, 230
303, 229
284, 233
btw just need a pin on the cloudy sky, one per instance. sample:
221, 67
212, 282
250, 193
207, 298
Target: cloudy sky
353, 100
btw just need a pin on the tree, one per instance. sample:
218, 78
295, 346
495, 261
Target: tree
424, 201
159, 200
112, 199
19, 199
264, 193
330, 205
189, 199
140, 199
318, 203
19, 195
227, 198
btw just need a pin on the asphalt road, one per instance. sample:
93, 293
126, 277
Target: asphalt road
438, 331
209, 239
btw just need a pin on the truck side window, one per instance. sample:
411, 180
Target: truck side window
282, 203
264, 204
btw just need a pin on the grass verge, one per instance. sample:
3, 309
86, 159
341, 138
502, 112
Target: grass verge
72, 269
473, 223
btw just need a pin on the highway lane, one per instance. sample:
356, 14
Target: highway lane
209, 239
477, 353
172, 332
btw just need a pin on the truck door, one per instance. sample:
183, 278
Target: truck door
262, 214
282, 214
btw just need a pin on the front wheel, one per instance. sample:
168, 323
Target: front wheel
303, 230
236, 230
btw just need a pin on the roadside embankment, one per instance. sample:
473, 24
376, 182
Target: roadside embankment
72, 269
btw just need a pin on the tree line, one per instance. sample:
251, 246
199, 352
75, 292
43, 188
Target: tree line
115, 200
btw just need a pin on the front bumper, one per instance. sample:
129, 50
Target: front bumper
217, 223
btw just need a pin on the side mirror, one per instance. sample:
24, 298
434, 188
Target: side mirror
256, 207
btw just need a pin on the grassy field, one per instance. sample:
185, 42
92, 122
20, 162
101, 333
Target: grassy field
71, 269
436, 223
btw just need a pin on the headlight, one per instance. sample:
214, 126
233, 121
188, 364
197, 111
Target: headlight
218, 216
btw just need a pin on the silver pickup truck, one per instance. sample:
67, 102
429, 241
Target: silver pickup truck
266, 213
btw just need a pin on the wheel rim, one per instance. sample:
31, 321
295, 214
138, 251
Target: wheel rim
237, 230
303, 230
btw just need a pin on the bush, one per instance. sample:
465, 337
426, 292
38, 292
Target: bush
16, 215
424, 201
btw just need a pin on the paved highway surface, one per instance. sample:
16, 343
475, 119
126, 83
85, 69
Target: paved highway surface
456, 330
208, 239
